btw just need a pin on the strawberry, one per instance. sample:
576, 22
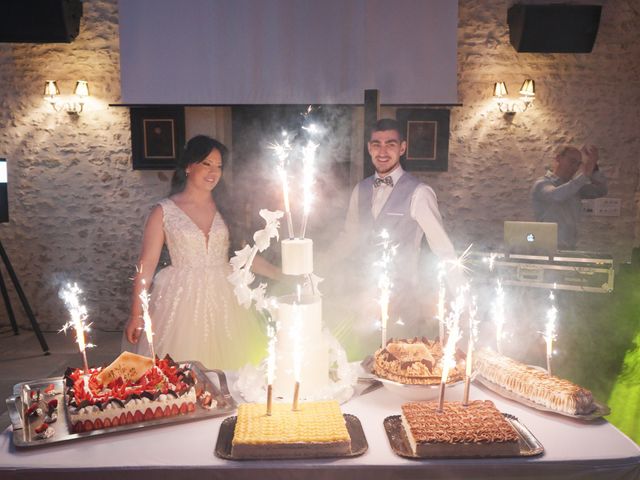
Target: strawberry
167, 411
148, 414
107, 423
174, 409
42, 428
183, 408
158, 413
138, 417
88, 425
191, 407
130, 418
50, 388
52, 404
115, 421
32, 409
78, 428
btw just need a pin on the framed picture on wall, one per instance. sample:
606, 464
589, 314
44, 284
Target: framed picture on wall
427, 134
157, 135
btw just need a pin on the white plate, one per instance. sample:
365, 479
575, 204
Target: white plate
417, 392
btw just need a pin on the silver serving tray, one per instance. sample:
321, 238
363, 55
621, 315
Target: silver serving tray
26, 438
529, 445
359, 443
600, 411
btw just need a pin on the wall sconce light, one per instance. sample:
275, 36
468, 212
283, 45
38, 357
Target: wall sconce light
52, 94
506, 105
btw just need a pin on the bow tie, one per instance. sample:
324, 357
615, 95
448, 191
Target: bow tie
379, 181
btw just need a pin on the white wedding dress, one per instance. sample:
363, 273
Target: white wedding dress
194, 312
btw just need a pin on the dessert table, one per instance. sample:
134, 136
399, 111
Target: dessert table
573, 450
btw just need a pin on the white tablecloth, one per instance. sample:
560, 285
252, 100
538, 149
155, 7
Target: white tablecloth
573, 450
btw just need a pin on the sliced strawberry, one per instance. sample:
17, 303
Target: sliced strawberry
78, 428
191, 407
174, 409
138, 417
183, 408
107, 422
158, 413
97, 424
31, 410
130, 418
148, 414
88, 425
167, 411
123, 418
42, 428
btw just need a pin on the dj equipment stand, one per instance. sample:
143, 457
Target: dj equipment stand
23, 300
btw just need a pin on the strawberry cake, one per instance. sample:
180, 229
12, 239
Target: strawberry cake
95, 401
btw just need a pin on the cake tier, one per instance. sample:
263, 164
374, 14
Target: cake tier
477, 429
300, 342
166, 389
415, 362
297, 256
134, 411
314, 371
533, 384
317, 426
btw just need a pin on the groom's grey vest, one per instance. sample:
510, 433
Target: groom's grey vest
395, 217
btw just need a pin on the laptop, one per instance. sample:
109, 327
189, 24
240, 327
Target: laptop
531, 238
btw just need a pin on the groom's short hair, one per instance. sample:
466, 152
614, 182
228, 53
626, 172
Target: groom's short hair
387, 124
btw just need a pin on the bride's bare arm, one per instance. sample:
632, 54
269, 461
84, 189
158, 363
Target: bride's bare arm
266, 269
152, 241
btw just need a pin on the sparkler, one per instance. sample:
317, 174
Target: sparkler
271, 362
550, 330
282, 151
69, 295
384, 282
308, 160
448, 354
498, 315
148, 330
297, 351
473, 335
442, 294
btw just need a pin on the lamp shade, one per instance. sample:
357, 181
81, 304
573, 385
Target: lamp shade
499, 89
51, 88
82, 88
528, 88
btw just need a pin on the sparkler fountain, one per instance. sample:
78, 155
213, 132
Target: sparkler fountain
78, 313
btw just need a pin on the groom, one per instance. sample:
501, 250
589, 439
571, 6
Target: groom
395, 201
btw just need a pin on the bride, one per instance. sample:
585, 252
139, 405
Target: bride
193, 309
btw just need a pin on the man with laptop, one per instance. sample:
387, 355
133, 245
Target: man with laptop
557, 196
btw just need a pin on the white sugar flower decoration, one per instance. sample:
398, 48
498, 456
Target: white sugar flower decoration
241, 277
262, 238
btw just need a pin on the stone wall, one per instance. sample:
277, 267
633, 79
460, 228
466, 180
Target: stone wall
77, 208
581, 98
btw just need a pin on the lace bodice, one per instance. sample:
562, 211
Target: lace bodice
188, 245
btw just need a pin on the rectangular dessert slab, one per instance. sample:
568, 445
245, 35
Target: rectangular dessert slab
359, 445
22, 438
528, 445
600, 411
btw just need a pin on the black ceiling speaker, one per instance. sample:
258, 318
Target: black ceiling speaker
553, 28
39, 21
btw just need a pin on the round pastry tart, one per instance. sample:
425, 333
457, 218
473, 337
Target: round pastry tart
415, 361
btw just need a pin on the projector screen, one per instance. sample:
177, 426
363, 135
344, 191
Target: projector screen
233, 52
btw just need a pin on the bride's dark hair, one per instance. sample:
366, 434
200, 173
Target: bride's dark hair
195, 151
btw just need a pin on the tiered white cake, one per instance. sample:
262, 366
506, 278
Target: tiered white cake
303, 338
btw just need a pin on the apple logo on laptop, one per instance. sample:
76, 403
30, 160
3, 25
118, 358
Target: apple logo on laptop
531, 237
